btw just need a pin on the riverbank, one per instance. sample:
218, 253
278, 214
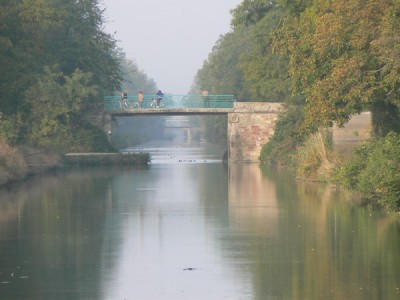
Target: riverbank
80, 159
18, 163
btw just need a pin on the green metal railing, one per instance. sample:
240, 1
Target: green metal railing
170, 102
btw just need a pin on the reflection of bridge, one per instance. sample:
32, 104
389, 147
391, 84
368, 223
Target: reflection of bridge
250, 124
180, 126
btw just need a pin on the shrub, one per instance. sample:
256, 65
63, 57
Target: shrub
315, 158
89, 138
287, 137
374, 171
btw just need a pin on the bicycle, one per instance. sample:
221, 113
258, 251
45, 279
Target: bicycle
124, 103
136, 105
156, 103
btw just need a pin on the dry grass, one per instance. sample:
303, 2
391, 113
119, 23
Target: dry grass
39, 160
17, 163
12, 164
316, 158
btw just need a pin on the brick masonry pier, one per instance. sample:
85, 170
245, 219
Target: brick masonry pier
250, 126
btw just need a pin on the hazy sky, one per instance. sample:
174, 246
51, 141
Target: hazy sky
168, 39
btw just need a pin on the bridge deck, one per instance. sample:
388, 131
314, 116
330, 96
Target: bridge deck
170, 111
185, 104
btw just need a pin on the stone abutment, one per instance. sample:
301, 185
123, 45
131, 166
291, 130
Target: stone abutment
250, 127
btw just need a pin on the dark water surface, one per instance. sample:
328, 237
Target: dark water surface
188, 227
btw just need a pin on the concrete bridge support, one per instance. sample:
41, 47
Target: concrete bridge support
250, 126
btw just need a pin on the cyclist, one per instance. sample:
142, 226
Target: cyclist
160, 95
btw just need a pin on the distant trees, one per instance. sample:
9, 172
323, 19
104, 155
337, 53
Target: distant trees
135, 79
221, 73
243, 62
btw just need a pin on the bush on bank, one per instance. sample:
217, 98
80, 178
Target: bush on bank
316, 158
374, 171
281, 149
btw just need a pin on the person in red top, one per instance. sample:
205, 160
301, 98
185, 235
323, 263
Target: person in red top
140, 98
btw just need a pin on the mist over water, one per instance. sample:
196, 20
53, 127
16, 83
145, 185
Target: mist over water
167, 152
179, 147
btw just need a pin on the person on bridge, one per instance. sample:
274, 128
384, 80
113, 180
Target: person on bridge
206, 98
140, 98
160, 95
124, 100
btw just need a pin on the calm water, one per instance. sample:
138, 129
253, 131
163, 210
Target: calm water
188, 227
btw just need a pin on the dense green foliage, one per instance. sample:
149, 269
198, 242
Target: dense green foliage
221, 73
57, 103
39, 33
288, 136
55, 59
344, 57
374, 171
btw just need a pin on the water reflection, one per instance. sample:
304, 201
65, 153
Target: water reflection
192, 231
49, 242
253, 207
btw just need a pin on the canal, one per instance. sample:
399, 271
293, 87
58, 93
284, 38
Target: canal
189, 227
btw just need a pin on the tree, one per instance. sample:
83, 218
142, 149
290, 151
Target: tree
135, 79
265, 71
57, 103
249, 12
80, 41
38, 34
221, 73
334, 61
244, 59
22, 29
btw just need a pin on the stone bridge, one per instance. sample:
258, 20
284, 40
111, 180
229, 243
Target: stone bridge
250, 124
